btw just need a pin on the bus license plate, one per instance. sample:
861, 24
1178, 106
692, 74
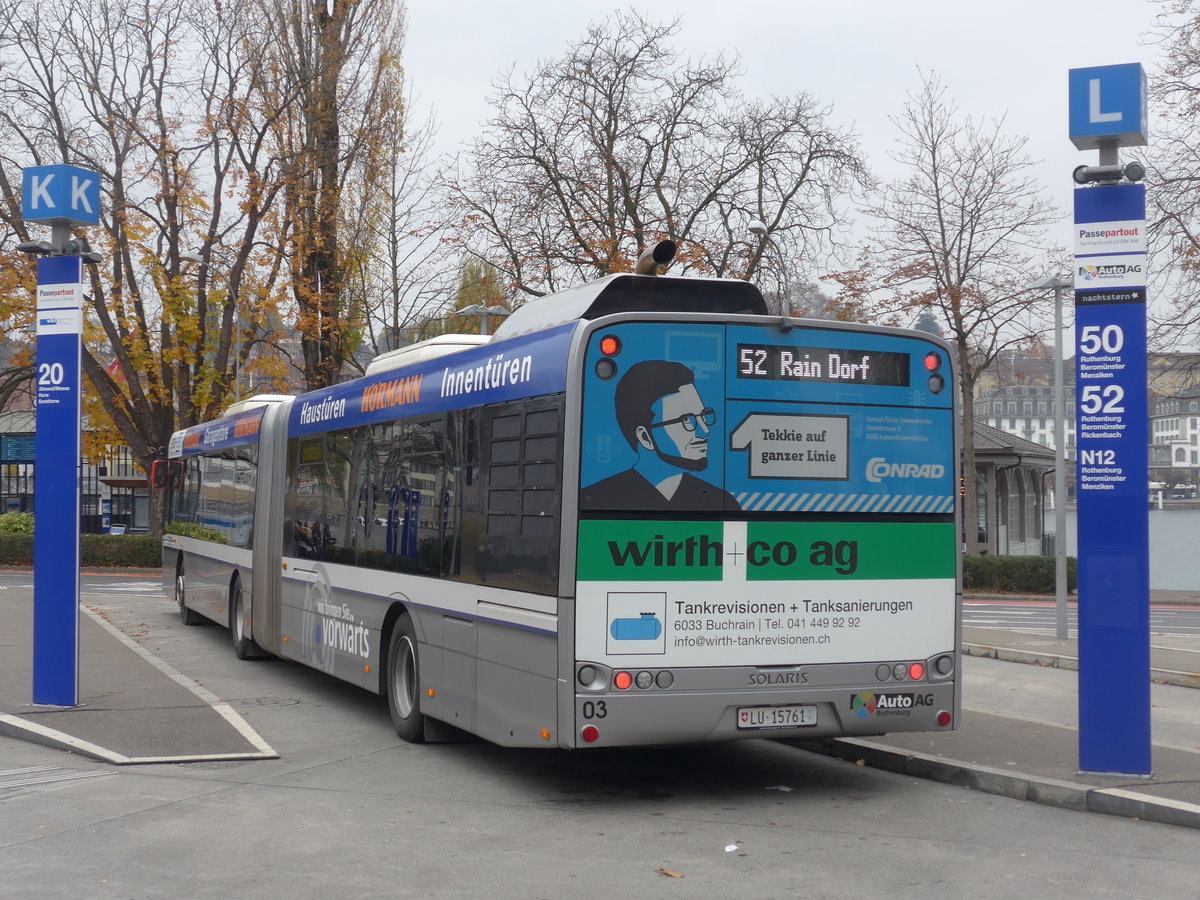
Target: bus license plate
776, 716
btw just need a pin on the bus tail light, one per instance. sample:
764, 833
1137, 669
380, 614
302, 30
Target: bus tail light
944, 719
942, 666
591, 677
933, 362
903, 671
606, 367
590, 734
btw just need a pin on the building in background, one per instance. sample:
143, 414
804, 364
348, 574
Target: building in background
1175, 445
1011, 493
115, 490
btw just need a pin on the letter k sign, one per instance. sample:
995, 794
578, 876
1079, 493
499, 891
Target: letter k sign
60, 195
40, 198
81, 191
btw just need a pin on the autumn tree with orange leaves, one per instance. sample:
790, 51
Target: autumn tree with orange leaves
961, 235
340, 60
621, 142
100, 85
203, 140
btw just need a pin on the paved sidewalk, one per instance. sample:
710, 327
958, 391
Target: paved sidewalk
1035, 760
133, 708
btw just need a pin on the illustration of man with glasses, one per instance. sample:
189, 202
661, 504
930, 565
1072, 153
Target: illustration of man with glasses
666, 423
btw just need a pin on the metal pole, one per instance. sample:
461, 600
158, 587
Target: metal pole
1060, 475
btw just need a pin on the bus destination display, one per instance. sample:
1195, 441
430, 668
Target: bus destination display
770, 362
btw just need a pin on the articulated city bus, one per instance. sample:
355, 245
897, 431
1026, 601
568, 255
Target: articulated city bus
643, 511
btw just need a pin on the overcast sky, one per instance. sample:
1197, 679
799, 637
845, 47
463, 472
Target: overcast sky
861, 58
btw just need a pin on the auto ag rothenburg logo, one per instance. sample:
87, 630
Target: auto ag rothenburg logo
879, 469
1099, 273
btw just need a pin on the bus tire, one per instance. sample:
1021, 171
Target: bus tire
243, 644
403, 682
189, 616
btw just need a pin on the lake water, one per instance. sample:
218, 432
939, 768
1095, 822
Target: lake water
1174, 547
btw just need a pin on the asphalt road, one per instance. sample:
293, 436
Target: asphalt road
350, 811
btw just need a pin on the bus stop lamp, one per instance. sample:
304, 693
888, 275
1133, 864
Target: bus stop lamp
1131, 172
70, 248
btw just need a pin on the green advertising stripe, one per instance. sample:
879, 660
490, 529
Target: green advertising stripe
650, 551
774, 551
811, 551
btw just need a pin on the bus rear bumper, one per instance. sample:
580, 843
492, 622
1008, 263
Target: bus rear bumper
613, 719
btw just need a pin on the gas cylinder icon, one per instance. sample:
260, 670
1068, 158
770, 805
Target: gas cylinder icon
645, 628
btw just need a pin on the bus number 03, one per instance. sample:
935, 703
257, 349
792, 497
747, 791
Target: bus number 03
595, 709
50, 374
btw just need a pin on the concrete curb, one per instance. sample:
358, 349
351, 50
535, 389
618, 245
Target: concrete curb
15, 727
1005, 783
1057, 661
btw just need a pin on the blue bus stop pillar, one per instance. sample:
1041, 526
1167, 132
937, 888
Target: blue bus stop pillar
56, 482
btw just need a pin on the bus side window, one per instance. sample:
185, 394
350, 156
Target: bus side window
516, 533
304, 501
471, 450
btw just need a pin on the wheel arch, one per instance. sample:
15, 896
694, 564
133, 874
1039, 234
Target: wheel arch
399, 607
235, 577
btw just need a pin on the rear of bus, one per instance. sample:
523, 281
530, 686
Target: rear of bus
768, 542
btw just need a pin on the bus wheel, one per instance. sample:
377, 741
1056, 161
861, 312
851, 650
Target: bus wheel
403, 683
189, 616
243, 645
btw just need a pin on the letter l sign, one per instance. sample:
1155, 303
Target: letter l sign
1094, 114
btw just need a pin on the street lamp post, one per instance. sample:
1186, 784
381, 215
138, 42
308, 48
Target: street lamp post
197, 257
484, 312
1059, 284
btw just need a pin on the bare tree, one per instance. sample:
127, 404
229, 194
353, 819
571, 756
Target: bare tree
1173, 193
962, 235
408, 278
620, 142
103, 85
